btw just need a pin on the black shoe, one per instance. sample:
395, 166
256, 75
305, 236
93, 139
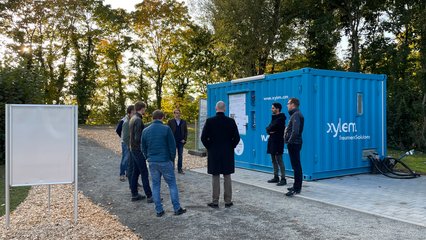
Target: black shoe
282, 182
149, 200
228, 205
213, 205
160, 214
137, 198
290, 188
291, 193
180, 211
274, 180
181, 171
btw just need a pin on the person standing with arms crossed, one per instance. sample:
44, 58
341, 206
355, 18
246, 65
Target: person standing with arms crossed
159, 148
136, 127
180, 133
220, 136
293, 139
275, 129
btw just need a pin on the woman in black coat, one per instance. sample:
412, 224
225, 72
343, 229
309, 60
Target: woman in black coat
275, 129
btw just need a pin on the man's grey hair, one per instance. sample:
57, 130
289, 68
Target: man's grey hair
220, 106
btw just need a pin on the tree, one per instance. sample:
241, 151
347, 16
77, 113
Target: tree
84, 37
115, 41
159, 24
249, 32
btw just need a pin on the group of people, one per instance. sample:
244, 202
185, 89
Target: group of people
157, 144
291, 135
220, 136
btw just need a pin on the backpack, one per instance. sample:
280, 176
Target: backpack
119, 127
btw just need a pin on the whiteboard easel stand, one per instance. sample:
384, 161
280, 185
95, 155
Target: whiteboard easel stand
7, 176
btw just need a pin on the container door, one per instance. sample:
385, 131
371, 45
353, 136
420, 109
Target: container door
238, 111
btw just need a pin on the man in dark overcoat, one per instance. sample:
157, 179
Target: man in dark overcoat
275, 129
220, 136
180, 132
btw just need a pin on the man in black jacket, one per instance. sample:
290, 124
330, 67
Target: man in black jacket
275, 129
138, 161
180, 132
293, 138
220, 136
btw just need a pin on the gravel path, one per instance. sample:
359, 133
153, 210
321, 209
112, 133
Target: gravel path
257, 214
105, 208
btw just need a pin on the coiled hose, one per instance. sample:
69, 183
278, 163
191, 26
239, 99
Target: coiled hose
387, 165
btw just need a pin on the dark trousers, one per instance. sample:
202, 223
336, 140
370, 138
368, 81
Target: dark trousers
277, 161
139, 167
179, 148
294, 152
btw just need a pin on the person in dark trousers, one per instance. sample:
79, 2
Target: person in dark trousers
275, 129
180, 133
220, 136
125, 138
159, 148
136, 127
293, 139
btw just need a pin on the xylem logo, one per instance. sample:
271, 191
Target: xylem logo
335, 129
264, 138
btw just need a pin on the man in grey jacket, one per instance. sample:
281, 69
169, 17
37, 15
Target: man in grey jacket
159, 149
137, 159
125, 142
293, 139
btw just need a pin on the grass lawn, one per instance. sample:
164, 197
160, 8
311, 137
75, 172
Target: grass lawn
190, 144
17, 194
416, 162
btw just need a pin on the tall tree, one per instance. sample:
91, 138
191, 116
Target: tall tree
322, 33
159, 24
84, 38
249, 32
115, 42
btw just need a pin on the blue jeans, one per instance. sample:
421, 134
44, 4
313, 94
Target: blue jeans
179, 147
125, 155
166, 169
139, 167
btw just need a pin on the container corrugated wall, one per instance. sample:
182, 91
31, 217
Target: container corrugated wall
344, 114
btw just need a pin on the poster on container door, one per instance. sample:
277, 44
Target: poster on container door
237, 111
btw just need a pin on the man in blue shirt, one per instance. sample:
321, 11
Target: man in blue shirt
159, 147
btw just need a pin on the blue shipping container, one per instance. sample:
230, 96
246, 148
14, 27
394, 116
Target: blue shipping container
345, 114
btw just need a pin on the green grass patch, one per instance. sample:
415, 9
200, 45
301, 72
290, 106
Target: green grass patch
190, 143
416, 162
17, 194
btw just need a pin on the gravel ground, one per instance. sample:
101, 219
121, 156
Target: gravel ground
257, 214
106, 137
31, 220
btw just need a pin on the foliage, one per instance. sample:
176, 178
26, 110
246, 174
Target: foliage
17, 86
159, 24
17, 194
103, 59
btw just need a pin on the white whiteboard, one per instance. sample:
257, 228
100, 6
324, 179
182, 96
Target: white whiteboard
41, 144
